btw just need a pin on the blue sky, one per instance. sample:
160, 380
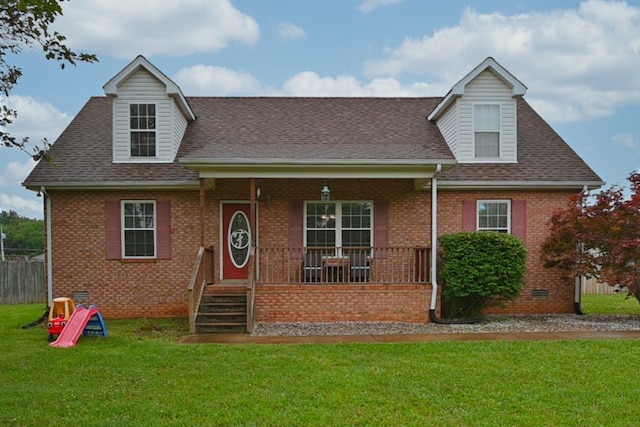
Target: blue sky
579, 59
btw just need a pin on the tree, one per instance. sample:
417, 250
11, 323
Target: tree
600, 238
25, 24
24, 236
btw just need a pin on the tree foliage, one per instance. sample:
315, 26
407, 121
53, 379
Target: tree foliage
598, 236
26, 24
480, 269
24, 236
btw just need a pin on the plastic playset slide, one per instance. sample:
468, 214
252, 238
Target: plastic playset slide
77, 324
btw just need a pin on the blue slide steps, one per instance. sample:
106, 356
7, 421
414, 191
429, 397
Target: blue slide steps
96, 327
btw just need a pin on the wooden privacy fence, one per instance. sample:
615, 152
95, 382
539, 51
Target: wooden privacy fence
22, 282
593, 286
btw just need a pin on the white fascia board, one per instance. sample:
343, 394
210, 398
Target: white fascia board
519, 185
205, 162
311, 172
312, 169
113, 185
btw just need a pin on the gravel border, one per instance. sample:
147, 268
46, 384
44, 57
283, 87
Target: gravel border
497, 323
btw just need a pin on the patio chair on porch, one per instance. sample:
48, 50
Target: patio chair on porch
312, 267
360, 264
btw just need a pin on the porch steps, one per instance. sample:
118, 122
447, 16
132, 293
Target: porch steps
222, 312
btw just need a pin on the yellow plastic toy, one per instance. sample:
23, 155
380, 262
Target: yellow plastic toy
59, 315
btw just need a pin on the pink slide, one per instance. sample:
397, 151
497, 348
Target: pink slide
77, 322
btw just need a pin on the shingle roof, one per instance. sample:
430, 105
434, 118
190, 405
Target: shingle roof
307, 129
314, 128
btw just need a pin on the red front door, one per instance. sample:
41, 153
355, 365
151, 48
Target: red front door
236, 240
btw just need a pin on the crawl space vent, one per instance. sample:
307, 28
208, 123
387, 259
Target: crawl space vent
81, 296
540, 293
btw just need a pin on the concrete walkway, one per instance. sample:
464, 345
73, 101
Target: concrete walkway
477, 336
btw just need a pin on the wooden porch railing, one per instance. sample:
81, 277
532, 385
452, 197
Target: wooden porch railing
251, 290
201, 275
347, 265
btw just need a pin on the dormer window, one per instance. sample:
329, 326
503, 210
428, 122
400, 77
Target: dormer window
142, 127
486, 123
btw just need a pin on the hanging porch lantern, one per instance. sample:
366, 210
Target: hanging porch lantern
325, 193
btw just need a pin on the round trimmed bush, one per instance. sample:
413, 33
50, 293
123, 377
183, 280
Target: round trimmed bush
480, 269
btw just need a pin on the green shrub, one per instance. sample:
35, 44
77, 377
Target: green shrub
478, 270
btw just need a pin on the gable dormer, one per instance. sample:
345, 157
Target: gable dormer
478, 117
150, 114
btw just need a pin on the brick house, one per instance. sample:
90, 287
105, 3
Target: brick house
311, 209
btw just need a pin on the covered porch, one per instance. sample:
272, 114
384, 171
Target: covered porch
307, 263
355, 246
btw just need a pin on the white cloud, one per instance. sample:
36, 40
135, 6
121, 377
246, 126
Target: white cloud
21, 204
13, 174
16, 172
179, 27
36, 119
626, 140
583, 61
289, 31
309, 83
370, 5
208, 80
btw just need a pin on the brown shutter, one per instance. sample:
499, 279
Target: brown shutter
112, 229
296, 227
163, 223
469, 215
519, 219
381, 227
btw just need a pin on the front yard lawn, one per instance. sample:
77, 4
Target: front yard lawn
141, 376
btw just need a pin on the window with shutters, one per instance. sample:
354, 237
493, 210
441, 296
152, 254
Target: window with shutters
339, 224
139, 229
494, 215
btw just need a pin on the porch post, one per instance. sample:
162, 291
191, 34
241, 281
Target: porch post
252, 211
202, 209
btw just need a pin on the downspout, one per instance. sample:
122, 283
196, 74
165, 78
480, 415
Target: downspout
577, 300
434, 256
434, 244
47, 202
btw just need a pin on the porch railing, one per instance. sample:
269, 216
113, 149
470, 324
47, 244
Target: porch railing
345, 265
201, 275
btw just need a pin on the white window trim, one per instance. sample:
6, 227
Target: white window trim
473, 133
509, 214
129, 130
155, 229
338, 219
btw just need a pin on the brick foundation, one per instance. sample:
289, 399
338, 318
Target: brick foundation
343, 303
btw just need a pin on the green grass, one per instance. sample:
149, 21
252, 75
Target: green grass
617, 303
141, 376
